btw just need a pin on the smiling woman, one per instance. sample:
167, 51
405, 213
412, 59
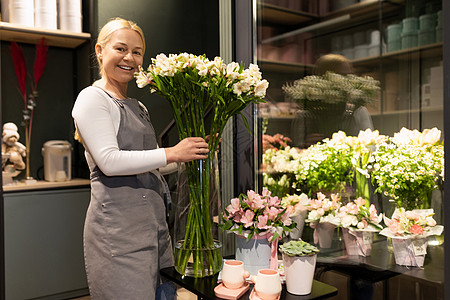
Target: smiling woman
126, 239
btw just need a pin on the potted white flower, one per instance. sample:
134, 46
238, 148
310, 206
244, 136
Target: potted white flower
297, 207
299, 261
322, 217
359, 221
409, 231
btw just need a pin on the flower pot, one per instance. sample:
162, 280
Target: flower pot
255, 253
297, 232
323, 234
196, 247
410, 252
296, 267
357, 242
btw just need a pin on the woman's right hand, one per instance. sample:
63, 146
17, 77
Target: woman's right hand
189, 149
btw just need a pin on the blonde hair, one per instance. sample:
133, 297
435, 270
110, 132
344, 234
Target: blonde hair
109, 28
333, 62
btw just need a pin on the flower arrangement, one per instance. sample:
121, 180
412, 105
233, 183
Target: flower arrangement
316, 91
411, 223
324, 209
278, 167
295, 204
408, 167
356, 215
277, 141
29, 101
253, 214
204, 95
326, 166
298, 248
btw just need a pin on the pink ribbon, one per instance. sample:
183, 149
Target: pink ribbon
274, 254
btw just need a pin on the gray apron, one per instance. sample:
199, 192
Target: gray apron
126, 239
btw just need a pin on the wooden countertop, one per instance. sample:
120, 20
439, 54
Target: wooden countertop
42, 184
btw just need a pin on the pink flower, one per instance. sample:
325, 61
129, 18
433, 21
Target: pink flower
286, 220
272, 212
373, 213
247, 218
274, 201
416, 229
431, 222
363, 224
360, 201
394, 226
266, 192
234, 207
320, 211
262, 222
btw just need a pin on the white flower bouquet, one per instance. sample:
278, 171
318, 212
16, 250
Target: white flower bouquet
326, 166
408, 167
316, 91
323, 209
409, 231
203, 95
278, 169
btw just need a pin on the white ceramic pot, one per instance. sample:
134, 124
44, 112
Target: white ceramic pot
297, 232
299, 273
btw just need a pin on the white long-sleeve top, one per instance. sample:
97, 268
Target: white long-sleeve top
97, 119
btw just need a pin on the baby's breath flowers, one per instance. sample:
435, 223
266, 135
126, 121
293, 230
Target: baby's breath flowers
409, 167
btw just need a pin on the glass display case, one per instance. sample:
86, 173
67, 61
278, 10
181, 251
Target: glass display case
346, 65
398, 43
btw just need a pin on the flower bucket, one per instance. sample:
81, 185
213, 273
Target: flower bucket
323, 234
410, 252
196, 247
255, 253
358, 242
296, 267
297, 232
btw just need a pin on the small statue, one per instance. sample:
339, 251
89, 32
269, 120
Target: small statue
12, 151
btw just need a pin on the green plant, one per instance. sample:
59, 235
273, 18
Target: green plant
325, 166
298, 248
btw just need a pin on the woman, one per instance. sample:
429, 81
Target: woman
126, 239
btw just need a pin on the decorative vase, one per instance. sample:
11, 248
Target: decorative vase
358, 242
296, 267
323, 234
410, 252
196, 248
255, 253
297, 232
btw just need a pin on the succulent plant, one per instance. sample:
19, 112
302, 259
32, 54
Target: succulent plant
298, 248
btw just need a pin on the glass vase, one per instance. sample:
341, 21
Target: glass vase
197, 249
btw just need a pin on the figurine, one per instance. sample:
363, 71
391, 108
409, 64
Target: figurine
12, 151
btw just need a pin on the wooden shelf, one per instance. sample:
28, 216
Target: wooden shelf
409, 111
42, 185
284, 67
32, 35
283, 16
427, 51
366, 9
